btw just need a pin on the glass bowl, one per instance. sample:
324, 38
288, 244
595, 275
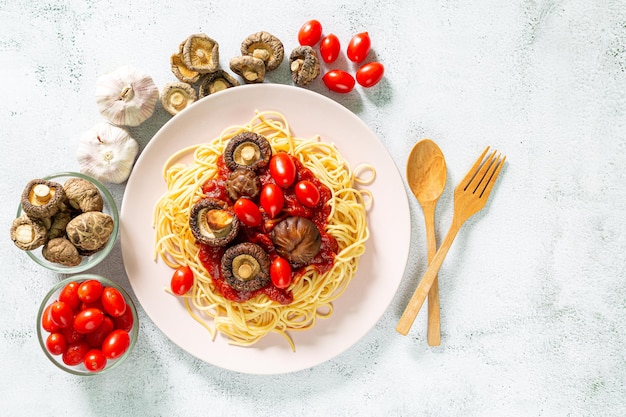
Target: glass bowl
122, 322
90, 261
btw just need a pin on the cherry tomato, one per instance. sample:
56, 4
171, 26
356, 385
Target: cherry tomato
248, 212
69, 295
61, 314
55, 343
96, 338
88, 320
46, 320
310, 33
72, 336
75, 353
181, 282
115, 344
113, 302
95, 360
307, 193
339, 81
330, 48
90, 291
280, 272
272, 199
370, 74
283, 169
358, 47
125, 321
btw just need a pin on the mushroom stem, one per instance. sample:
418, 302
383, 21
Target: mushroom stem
42, 193
249, 74
25, 234
248, 154
127, 93
245, 270
178, 99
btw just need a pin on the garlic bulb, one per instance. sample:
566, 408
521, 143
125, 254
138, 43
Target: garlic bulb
107, 153
126, 96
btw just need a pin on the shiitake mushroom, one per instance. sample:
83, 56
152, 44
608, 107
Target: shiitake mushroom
297, 239
212, 223
246, 267
247, 150
243, 182
42, 198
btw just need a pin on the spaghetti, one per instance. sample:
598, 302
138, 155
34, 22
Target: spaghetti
245, 323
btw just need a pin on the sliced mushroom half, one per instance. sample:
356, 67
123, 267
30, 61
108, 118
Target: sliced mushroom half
212, 223
42, 198
247, 150
250, 68
304, 65
265, 46
246, 267
201, 53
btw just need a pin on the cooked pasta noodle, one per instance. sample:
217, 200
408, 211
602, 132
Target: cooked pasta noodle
244, 323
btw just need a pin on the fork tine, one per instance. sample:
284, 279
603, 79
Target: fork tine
474, 172
497, 166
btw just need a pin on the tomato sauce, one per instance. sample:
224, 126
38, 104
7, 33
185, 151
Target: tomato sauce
211, 257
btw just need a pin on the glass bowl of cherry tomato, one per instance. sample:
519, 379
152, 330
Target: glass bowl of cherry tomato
87, 324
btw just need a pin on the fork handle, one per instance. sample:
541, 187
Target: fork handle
421, 292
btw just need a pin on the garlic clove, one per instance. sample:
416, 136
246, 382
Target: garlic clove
126, 96
107, 153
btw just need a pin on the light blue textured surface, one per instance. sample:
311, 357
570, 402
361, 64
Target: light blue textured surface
533, 292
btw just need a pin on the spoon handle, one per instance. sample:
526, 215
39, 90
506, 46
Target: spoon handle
434, 312
421, 292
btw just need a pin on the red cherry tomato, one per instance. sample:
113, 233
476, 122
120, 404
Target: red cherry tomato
339, 81
75, 353
96, 338
90, 291
310, 33
113, 301
61, 314
46, 320
358, 47
69, 295
94, 360
272, 199
248, 212
280, 272
307, 193
181, 282
55, 343
72, 336
88, 320
125, 321
283, 169
115, 344
330, 48
370, 74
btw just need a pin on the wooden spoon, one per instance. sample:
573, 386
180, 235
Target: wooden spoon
426, 175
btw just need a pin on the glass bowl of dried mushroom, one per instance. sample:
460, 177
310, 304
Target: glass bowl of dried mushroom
67, 222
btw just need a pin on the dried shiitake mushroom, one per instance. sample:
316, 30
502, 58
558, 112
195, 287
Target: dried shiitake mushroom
212, 223
176, 96
304, 65
61, 251
201, 53
246, 267
83, 195
28, 233
42, 198
180, 70
90, 231
250, 68
296, 239
247, 150
243, 182
217, 81
265, 46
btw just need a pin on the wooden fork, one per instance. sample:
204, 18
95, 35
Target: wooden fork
470, 197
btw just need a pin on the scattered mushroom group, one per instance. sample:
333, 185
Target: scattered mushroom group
260, 52
67, 220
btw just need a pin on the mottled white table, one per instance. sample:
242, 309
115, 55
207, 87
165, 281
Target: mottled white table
532, 292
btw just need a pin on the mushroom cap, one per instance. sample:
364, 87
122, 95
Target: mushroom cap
297, 239
28, 233
42, 198
212, 222
83, 195
250, 68
265, 46
217, 81
176, 96
246, 267
304, 65
180, 70
201, 53
90, 231
247, 150
243, 182
62, 251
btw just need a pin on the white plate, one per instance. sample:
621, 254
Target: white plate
381, 267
